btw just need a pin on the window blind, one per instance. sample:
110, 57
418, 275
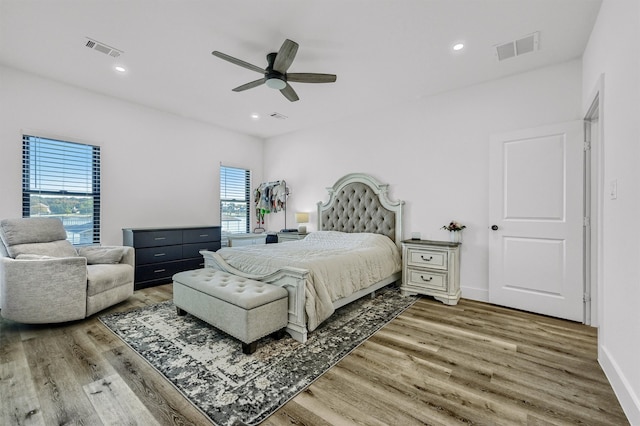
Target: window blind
235, 199
62, 179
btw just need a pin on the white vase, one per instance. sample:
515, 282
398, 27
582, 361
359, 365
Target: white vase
455, 236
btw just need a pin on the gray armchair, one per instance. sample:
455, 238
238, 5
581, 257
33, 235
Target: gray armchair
44, 279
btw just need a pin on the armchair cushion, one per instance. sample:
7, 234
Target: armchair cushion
37, 235
35, 230
60, 248
101, 278
101, 255
25, 256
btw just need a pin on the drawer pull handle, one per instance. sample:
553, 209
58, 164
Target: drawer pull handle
204, 235
160, 238
423, 279
157, 271
160, 254
426, 260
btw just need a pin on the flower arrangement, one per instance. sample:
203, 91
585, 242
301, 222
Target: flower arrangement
454, 226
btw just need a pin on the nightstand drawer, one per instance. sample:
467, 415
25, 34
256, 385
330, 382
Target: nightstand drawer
427, 279
427, 258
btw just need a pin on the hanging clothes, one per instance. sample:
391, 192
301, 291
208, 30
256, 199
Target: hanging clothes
270, 197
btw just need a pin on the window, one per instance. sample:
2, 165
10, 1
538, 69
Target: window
62, 179
235, 199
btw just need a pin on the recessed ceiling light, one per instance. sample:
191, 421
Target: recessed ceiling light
458, 46
255, 116
120, 68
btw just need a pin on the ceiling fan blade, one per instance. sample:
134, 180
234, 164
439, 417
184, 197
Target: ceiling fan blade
250, 85
289, 93
285, 56
236, 61
308, 77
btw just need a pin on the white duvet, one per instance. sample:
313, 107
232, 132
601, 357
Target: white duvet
339, 263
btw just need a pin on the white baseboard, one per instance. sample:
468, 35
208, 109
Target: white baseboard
628, 399
478, 294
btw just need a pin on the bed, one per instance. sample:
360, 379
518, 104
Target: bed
355, 252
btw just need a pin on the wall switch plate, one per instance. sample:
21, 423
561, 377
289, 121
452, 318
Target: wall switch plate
415, 235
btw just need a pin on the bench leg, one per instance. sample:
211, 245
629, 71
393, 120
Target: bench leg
249, 348
180, 312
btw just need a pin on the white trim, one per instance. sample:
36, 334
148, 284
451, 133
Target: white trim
629, 401
594, 110
474, 293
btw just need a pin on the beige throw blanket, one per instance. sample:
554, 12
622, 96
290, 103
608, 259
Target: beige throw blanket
339, 264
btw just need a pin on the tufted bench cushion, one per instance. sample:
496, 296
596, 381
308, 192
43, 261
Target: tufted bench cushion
246, 309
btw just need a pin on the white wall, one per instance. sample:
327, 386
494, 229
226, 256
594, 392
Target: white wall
158, 169
433, 153
612, 51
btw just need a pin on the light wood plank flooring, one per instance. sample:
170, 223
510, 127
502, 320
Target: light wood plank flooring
472, 363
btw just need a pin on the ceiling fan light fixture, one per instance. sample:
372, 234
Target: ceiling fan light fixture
276, 83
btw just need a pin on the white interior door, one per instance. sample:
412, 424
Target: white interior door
536, 193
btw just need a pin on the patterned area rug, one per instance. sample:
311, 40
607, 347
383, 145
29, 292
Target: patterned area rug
209, 368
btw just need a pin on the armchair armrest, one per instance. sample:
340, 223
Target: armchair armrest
43, 290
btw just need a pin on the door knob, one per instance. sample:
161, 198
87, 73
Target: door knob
494, 227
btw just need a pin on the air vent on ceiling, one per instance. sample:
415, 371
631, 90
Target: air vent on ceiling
526, 44
278, 116
103, 48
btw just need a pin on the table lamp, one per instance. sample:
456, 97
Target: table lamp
302, 217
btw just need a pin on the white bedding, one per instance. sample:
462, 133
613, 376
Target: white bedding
339, 263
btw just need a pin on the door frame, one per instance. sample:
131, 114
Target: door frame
594, 193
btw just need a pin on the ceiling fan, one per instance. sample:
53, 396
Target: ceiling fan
275, 75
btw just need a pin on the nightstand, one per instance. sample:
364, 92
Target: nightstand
290, 236
431, 268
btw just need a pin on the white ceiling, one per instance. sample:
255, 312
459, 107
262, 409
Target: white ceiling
384, 52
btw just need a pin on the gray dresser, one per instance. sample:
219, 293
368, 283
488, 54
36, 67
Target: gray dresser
163, 252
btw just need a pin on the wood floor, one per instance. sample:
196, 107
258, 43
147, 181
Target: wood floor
437, 365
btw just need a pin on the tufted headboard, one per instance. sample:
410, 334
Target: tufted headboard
359, 203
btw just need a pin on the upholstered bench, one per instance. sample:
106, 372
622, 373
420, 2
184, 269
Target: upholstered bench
246, 309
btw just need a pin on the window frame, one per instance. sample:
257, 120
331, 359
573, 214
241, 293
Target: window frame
225, 189
90, 180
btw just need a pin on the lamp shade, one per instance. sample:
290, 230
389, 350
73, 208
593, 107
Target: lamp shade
302, 217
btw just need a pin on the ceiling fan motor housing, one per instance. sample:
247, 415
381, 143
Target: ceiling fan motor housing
274, 79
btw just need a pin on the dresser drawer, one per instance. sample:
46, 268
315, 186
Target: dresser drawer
158, 254
201, 234
427, 258
158, 271
427, 279
190, 264
193, 250
157, 238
